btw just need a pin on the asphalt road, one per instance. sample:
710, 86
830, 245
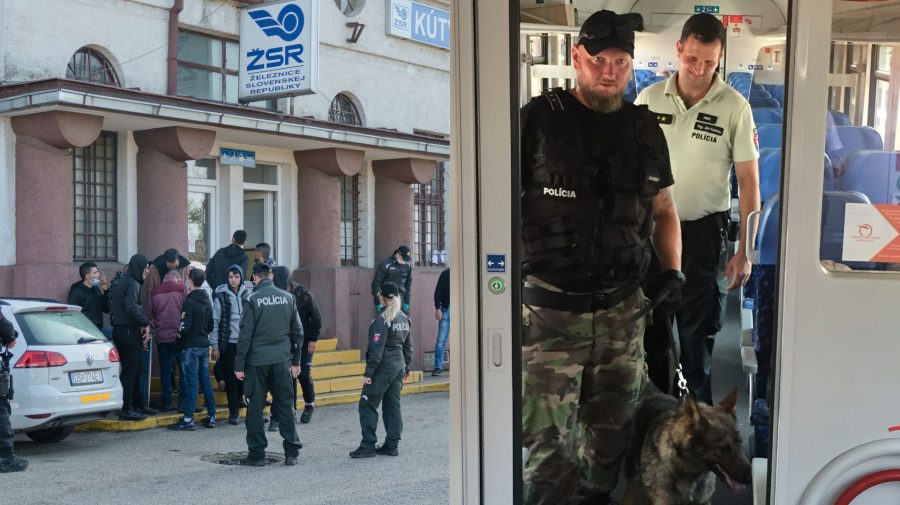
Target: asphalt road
160, 466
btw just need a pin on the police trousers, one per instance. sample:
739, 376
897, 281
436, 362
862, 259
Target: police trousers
702, 310
385, 390
258, 381
6, 433
580, 388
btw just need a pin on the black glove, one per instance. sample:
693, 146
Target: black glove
668, 292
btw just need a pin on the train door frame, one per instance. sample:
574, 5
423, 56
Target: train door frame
485, 398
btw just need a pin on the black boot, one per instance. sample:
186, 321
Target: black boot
13, 463
233, 416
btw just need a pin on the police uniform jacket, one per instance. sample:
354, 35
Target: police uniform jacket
390, 346
390, 270
270, 329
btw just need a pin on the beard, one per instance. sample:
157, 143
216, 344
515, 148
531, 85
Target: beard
600, 103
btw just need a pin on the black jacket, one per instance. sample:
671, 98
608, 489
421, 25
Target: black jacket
217, 268
391, 271
93, 303
196, 320
390, 346
442, 291
125, 296
310, 317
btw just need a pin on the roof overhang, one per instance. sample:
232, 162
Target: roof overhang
129, 109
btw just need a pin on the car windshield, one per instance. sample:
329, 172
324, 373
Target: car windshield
58, 328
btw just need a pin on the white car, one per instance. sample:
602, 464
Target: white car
65, 371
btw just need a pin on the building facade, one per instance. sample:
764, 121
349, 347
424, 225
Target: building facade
121, 133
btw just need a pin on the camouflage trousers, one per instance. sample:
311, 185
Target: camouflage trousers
578, 397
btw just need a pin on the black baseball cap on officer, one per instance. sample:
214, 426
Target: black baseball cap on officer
389, 290
605, 29
404, 252
262, 268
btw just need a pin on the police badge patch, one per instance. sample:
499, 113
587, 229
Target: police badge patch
376, 338
756, 140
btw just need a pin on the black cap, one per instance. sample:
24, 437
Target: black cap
262, 268
404, 252
389, 290
605, 29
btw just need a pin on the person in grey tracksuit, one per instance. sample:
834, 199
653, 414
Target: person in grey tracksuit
228, 301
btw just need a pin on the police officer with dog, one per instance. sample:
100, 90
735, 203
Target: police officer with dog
9, 462
268, 360
595, 202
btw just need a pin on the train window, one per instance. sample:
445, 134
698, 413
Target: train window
861, 197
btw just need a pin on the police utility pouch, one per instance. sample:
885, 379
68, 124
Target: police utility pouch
6, 379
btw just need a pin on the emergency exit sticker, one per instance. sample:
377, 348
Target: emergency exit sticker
871, 233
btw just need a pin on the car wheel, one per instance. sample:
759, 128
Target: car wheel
50, 435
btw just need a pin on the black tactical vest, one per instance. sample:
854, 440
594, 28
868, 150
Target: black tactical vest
587, 194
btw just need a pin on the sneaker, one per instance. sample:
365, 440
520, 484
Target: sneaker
183, 425
13, 464
209, 422
386, 451
233, 416
436, 373
362, 452
290, 461
273, 426
147, 411
131, 415
248, 461
307, 413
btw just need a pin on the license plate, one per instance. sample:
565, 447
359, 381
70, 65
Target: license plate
84, 378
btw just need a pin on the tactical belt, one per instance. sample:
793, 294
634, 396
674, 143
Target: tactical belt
717, 221
539, 297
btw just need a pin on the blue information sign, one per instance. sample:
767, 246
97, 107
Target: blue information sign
709, 9
496, 263
237, 157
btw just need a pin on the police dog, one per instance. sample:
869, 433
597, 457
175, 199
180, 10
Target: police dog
678, 451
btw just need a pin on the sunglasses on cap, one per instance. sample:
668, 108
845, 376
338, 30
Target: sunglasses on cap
623, 32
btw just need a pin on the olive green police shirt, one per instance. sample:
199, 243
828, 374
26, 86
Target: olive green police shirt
270, 329
390, 345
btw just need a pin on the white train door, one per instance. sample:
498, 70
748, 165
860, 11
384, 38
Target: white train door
836, 391
483, 457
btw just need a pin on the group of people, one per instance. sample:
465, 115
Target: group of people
623, 202
261, 334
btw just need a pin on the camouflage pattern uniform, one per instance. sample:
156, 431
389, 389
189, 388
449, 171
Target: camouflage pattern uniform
578, 397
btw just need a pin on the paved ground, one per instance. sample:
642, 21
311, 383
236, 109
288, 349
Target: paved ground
159, 466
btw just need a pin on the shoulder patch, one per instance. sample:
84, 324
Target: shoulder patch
376, 338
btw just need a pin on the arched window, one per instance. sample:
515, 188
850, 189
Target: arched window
89, 65
343, 110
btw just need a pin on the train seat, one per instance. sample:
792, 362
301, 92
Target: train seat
769, 135
756, 101
768, 115
840, 119
872, 173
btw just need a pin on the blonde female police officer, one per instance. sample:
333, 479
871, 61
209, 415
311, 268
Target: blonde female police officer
387, 364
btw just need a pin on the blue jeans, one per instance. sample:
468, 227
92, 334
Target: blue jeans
167, 353
443, 333
194, 367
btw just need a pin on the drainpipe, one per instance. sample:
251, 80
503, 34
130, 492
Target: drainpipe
172, 62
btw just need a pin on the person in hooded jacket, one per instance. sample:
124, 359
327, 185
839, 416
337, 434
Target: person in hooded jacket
387, 365
311, 320
228, 308
194, 341
232, 254
397, 269
164, 311
90, 293
131, 333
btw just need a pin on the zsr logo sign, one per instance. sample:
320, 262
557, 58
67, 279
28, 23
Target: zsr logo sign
288, 26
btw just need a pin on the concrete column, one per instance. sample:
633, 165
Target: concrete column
319, 195
394, 201
45, 198
162, 184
